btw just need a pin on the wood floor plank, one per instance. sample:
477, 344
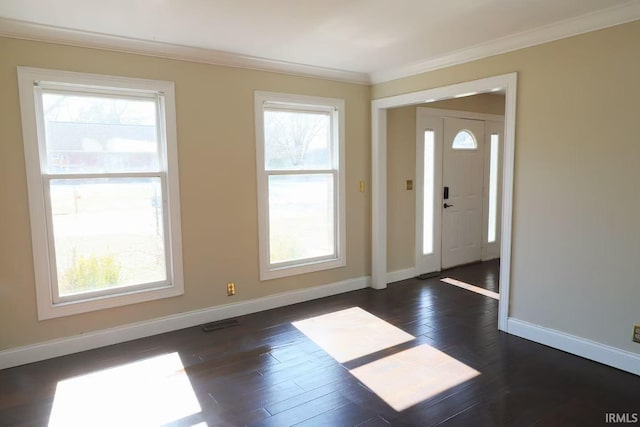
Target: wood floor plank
305, 411
343, 416
304, 397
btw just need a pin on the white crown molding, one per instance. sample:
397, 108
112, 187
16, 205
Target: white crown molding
559, 30
593, 21
74, 344
45, 33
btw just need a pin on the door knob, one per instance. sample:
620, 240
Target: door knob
447, 205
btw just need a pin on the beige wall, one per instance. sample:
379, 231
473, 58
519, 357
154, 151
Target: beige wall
487, 103
401, 164
216, 148
576, 239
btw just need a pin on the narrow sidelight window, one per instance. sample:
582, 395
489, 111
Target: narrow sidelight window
493, 188
429, 186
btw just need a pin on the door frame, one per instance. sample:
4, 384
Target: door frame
436, 116
379, 107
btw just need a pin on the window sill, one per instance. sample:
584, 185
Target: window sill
52, 311
294, 270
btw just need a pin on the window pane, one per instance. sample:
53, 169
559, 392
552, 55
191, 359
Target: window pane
99, 134
301, 217
429, 183
464, 140
297, 140
493, 188
107, 232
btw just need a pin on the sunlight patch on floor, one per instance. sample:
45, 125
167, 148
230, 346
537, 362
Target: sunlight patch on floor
412, 376
470, 287
352, 333
150, 392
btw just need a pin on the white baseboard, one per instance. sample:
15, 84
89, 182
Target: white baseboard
60, 347
396, 276
607, 355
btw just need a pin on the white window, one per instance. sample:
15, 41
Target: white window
101, 160
300, 162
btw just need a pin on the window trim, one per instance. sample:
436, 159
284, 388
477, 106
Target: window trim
37, 177
292, 102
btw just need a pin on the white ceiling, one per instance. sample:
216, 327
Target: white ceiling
364, 37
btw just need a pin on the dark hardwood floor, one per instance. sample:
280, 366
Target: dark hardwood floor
266, 372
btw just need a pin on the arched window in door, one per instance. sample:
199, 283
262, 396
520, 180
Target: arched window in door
464, 140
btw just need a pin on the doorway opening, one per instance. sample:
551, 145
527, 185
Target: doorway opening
504, 83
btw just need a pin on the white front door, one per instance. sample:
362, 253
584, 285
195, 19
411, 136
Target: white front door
462, 181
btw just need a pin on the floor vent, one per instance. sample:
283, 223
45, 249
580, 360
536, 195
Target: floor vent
428, 275
221, 324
